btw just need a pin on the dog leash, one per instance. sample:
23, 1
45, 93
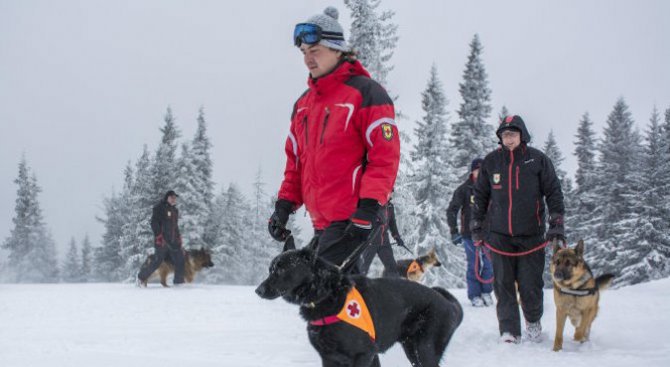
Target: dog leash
478, 250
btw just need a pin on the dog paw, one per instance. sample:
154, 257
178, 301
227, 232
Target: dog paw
557, 348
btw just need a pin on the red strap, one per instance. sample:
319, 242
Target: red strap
332, 319
500, 252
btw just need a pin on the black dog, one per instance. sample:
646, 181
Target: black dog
420, 318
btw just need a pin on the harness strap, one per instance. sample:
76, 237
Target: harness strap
332, 319
579, 292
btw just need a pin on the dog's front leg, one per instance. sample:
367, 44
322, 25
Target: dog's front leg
561, 315
587, 318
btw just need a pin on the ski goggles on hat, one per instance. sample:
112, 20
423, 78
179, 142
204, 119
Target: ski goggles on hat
310, 34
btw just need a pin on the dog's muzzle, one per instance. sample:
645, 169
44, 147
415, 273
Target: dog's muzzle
266, 292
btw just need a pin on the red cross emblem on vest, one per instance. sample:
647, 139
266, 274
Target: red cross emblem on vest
354, 310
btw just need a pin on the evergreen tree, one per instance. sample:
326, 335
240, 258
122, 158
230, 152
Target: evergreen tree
652, 230
71, 269
471, 135
164, 169
582, 222
86, 259
263, 248
618, 185
431, 182
32, 251
373, 37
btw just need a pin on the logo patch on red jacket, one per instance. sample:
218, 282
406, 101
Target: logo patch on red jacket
387, 131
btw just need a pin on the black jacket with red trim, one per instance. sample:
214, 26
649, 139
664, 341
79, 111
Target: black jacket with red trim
513, 186
462, 201
343, 145
165, 223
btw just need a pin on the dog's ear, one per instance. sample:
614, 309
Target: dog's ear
556, 245
580, 248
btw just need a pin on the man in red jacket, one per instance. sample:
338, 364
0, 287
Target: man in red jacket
343, 148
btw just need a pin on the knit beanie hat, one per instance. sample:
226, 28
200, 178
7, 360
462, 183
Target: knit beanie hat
328, 23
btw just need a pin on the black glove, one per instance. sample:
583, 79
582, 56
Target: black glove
364, 220
556, 229
399, 241
278, 220
456, 239
477, 231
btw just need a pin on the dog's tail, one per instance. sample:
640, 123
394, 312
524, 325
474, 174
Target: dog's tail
458, 310
604, 281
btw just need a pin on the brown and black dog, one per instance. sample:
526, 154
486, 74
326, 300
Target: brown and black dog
195, 261
576, 291
414, 269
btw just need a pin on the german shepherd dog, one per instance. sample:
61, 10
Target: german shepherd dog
422, 319
576, 292
194, 261
414, 269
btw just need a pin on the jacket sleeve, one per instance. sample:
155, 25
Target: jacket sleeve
291, 186
551, 187
455, 206
155, 220
393, 226
380, 136
482, 191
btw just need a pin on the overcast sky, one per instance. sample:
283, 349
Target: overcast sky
84, 84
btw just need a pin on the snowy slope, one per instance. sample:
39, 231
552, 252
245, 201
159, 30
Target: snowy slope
203, 325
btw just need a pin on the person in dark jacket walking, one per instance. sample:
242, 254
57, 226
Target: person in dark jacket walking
167, 240
462, 201
381, 246
513, 185
343, 148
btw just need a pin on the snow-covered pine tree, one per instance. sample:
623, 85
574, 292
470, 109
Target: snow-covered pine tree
137, 238
202, 180
32, 253
618, 183
652, 227
230, 234
582, 223
71, 271
164, 169
553, 152
431, 180
471, 135
86, 259
188, 197
263, 247
373, 37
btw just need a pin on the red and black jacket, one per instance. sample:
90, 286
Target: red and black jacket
165, 223
343, 145
512, 188
462, 200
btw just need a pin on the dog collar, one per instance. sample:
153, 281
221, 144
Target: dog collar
355, 312
578, 292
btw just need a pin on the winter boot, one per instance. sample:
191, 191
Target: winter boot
488, 300
510, 339
534, 331
477, 302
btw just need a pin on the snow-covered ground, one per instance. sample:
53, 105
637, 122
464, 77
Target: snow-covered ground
205, 325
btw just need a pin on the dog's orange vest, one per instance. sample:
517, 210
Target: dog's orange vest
355, 312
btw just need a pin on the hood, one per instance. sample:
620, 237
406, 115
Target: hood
515, 122
342, 72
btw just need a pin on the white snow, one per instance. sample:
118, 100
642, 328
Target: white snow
208, 325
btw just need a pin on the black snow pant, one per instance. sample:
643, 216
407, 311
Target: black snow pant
522, 271
382, 247
175, 253
334, 247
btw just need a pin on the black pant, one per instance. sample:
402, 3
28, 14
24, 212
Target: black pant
524, 271
334, 246
382, 247
175, 253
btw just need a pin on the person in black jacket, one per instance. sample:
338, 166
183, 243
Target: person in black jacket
381, 245
514, 183
167, 240
462, 201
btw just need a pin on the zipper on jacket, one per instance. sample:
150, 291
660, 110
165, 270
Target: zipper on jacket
509, 191
325, 123
306, 125
517, 178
